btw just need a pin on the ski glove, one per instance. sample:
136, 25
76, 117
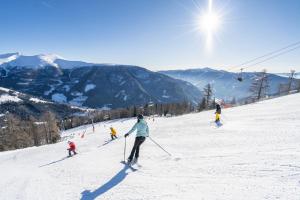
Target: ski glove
126, 134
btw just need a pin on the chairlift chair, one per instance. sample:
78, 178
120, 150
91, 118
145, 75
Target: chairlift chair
240, 76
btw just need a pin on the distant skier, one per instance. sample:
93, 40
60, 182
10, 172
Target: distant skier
71, 148
141, 134
218, 114
113, 133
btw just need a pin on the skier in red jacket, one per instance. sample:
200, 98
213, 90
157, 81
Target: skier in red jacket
71, 148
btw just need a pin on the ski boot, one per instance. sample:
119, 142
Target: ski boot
134, 161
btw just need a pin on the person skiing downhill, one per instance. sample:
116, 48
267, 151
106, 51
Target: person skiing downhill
113, 133
71, 148
141, 134
218, 114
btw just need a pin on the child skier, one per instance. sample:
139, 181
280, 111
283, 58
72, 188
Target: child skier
142, 132
71, 148
113, 133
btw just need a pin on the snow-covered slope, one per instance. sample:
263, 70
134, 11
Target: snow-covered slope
254, 155
25, 106
38, 61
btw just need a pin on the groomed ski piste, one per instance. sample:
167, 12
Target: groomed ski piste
254, 155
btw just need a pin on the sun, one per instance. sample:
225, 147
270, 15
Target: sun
209, 23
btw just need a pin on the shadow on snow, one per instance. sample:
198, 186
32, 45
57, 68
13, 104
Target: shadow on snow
109, 141
54, 162
114, 181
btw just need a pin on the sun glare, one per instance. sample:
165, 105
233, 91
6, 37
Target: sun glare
209, 24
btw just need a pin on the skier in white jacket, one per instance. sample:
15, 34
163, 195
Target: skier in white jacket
141, 134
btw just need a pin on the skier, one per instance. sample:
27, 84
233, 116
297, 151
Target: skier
142, 132
113, 133
218, 114
71, 148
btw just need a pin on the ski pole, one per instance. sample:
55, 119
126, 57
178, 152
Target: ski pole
125, 149
159, 146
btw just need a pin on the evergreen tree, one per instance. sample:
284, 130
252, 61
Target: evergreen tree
202, 105
207, 92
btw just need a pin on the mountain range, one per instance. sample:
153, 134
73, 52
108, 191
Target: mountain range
107, 86
225, 84
102, 86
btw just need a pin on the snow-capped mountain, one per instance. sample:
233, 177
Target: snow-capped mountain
11, 60
6, 58
25, 106
225, 84
92, 85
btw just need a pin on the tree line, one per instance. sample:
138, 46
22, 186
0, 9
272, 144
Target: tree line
16, 133
149, 109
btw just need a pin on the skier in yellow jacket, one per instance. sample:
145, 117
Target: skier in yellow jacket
218, 115
113, 133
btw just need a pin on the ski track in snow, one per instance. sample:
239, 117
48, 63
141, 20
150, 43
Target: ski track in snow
254, 155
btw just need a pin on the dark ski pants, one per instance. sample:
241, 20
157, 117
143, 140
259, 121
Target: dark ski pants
72, 150
113, 136
136, 147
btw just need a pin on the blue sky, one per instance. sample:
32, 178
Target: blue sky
156, 34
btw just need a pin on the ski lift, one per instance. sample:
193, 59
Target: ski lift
240, 76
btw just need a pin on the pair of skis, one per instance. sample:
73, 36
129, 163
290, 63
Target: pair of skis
130, 165
216, 124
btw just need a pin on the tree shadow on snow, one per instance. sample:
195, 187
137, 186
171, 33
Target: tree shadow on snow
114, 181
